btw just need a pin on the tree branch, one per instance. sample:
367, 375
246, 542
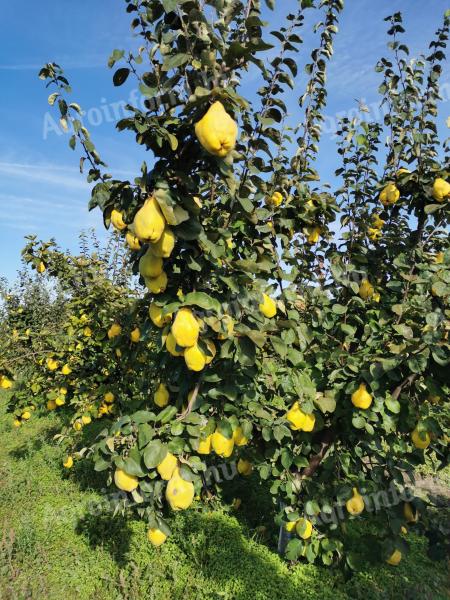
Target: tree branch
327, 438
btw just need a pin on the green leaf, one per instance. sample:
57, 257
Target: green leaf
204, 301
120, 76
154, 454
145, 434
358, 422
174, 61
339, 309
392, 405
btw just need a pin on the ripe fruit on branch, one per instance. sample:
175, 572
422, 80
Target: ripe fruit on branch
157, 317
275, 199
355, 505
421, 439
361, 398
179, 492
156, 537
149, 222
167, 466
164, 246
441, 189
117, 220
185, 328
150, 266
304, 528
132, 241
195, 358
114, 331
395, 558
124, 481
161, 397
171, 346
157, 285
222, 445
217, 131
268, 306
299, 420
390, 194
244, 467
366, 289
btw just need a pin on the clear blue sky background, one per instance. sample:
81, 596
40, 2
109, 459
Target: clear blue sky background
41, 190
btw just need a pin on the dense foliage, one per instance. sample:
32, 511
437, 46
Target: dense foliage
298, 330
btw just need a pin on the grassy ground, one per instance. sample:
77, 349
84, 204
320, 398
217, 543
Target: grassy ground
54, 544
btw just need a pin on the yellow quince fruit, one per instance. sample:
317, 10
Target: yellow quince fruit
165, 245
268, 306
195, 358
244, 467
114, 331
150, 266
204, 445
124, 481
239, 437
135, 335
59, 401
117, 220
5, 382
171, 346
420, 440
156, 316
313, 234
167, 466
441, 189
179, 492
157, 285
366, 289
149, 221
41, 267
26, 415
108, 397
222, 445
161, 396
390, 194
185, 328
304, 528
377, 221
410, 513
217, 131
133, 241
52, 364
361, 398
87, 332
395, 558
51, 405
300, 420
374, 234
156, 537
66, 370
275, 199
355, 505
68, 463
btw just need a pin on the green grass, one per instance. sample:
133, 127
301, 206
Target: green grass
54, 544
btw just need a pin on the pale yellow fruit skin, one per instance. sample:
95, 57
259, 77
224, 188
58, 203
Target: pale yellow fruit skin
179, 493
222, 446
167, 466
409, 513
389, 195
156, 316
244, 467
300, 420
132, 241
290, 526
268, 306
275, 199
185, 328
217, 131
68, 463
419, 442
124, 481
366, 289
51, 405
212, 349
195, 358
156, 537
204, 446
117, 220
149, 222
59, 401
171, 346
157, 285
87, 332
165, 245
239, 437
26, 415
150, 266
355, 505
161, 397
135, 335
395, 558
308, 530
441, 189
361, 398
52, 364
313, 234
41, 267
6, 383
108, 397
66, 370
114, 331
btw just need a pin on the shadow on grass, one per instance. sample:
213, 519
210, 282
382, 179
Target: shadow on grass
107, 532
34, 444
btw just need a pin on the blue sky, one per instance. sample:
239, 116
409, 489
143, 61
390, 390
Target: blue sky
42, 191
